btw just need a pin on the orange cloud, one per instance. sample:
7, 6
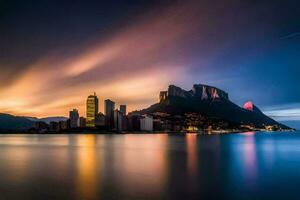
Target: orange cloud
131, 68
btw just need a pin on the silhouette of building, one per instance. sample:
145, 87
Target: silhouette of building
146, 123
92, 109
41, 126
74, 118
82, 122
133, 122
54, 127
100, 120
118, 120
62, 125
109, 107
123, 109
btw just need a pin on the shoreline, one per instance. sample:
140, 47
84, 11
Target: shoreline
103, 132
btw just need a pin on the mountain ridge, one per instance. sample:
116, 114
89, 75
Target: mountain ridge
14, 123
208, 102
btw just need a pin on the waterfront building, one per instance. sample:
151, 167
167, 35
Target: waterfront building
62, 125
123, 109
82, 122
92, 109
118, 120
146, 123
41, 126
157, 124
74, 118
109, 107
100, 120
133, 122
54, 127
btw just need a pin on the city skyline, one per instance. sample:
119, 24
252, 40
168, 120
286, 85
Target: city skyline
129, 52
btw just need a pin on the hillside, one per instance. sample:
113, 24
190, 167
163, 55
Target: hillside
221, 108
14, 123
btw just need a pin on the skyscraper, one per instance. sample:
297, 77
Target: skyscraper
123, 109
109, 112
118, 120
92, 107
74, 118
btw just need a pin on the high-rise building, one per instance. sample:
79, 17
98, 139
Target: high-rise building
146, 123
74, 118
109, 107
92, 107
100, 120
123, 109
118, 120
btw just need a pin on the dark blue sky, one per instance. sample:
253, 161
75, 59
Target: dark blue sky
249, 48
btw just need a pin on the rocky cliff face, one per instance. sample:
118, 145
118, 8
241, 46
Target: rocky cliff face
212, 103
203, 92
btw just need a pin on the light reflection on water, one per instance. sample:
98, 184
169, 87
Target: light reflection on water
86, 157
192, 154
150, 166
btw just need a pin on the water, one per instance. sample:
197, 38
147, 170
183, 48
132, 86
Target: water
147, 166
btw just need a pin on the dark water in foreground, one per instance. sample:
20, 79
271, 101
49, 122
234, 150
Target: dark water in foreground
234, 166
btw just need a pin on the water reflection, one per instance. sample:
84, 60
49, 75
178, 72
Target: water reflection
250, 160
244, 159
142, 164
192, 154
150, 166
87, 167
16, 164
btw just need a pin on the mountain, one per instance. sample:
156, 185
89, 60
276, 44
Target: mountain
210, 102
13, 123
48, 119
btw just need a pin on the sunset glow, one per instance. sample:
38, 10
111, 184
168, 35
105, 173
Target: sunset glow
131, 54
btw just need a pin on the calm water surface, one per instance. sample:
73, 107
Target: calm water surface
147, 166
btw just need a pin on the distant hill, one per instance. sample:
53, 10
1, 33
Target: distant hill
48, 119
217, 107
14, 123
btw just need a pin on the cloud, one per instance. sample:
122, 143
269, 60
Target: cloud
131, 67
185, 42
291, 35
286, 112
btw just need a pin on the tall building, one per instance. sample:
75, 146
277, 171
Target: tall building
109, 107
92, 107
100, 120
146, 123
118, 120
74, 118
133, 122
123, 109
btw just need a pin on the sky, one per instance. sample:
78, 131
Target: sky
53, 54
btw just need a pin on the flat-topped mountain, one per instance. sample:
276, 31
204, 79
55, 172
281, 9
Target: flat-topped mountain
199, 91
212, 103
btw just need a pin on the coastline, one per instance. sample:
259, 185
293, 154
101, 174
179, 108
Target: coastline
104, 132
